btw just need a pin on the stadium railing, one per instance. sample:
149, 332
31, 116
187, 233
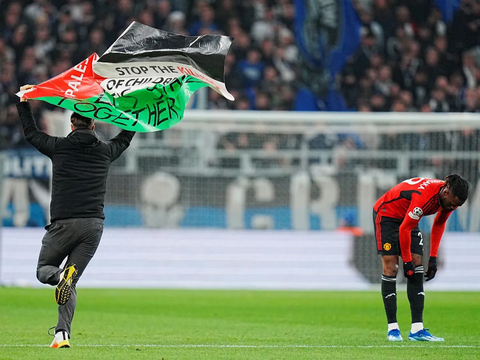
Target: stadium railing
317, 163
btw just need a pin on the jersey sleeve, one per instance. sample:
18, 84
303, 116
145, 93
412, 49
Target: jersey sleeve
40, 140
410, 221
120, 143
438, 228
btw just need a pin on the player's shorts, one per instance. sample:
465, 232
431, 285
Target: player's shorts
387, 236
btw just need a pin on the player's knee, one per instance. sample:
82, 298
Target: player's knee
390, 273
43, 278
417, 259
40, 277
390, 266
390, 270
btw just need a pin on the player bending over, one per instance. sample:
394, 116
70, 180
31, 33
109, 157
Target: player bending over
396, 215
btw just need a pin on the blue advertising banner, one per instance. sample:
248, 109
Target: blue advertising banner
25, 187
327, 33
26, 164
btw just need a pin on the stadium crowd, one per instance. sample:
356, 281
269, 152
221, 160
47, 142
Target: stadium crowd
409, 58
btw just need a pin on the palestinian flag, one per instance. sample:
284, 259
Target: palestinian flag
143, 81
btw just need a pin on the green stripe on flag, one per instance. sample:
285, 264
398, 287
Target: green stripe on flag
145, 110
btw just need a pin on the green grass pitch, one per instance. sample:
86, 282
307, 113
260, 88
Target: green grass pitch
197, 324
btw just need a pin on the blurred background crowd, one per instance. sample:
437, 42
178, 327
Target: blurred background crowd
410, 59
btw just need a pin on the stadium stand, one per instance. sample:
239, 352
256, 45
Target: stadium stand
409, 58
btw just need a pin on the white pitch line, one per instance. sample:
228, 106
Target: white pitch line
251, 346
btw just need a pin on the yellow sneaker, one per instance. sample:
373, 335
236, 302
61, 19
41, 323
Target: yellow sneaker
64, 287
60, 340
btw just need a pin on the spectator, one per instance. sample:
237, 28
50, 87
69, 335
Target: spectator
367, 49
176, 23
403, 20
378, 103
286, 15
469, 69
242, 103
88, 18
216, 101
7, 54
265, 27
424, 36
67, 47
95, 43
147, 17
19, 41
407, 99
436, 24
43, 45
405, 70
286, 41
384, 15
75, 8
286, 100
161, 11
226, 10
26, 69
270, 79
270, 148
377, 61
384, 81
341, 152
370, 139
421, 92
65, 22
234, 27
206, 21
366, 87
8, 82
455, 91
251, 69
447, 61
437, 102
373, 27
471, 101
395, 43
241, 45
349, 89
262, 101
268, 52
10, 21
432, 65
284, 67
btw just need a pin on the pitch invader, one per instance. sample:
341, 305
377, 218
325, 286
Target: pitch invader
395, 216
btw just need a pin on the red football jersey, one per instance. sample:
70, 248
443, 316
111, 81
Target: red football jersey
418, 196
409, 201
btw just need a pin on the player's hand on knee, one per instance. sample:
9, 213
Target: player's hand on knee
432, 268
409, 270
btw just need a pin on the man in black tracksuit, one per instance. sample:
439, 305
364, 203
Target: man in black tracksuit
80, 168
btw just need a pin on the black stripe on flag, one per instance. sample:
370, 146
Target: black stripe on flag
140, 42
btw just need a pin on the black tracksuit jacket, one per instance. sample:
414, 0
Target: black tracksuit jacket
80, 166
